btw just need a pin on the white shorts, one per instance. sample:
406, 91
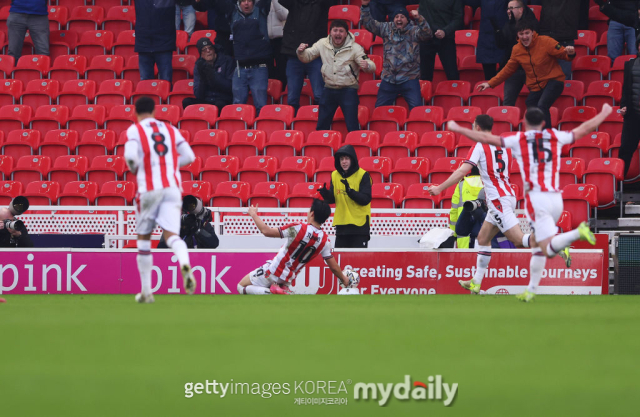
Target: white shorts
162, 207
543, 211
262, 278
502, 213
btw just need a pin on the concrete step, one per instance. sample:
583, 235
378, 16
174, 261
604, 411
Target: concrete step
629, 222
632, 209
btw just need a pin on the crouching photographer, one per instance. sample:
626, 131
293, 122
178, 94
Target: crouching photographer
13, 233
195, 225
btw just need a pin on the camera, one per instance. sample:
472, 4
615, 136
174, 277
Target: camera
193, 206
16, 225
18, 206
472, 205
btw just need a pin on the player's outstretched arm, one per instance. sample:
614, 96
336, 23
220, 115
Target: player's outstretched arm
264, 229
335, 268
453, 179
593, 123
477, 136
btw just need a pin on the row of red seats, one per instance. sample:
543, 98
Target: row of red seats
74, 193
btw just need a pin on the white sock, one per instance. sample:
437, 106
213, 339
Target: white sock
561, 241
179, 248
145, 262
526, 240
482, 262
256, 290
536, 266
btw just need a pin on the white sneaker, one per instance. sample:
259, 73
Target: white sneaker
144, 299
189, 279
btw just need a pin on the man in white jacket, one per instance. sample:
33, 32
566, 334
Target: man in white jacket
342, 60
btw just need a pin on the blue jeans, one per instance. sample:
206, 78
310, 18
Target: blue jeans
617, 35
545, 98
255, 79
410, 90
347, 99
189, 17
146, 61
296, 70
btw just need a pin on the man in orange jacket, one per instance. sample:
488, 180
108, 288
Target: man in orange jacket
538, 56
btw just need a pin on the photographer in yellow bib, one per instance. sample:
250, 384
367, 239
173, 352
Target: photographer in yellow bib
350, 191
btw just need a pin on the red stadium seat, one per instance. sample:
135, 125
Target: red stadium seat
324, 170
220, 168
365, 142
42, 193
585, 43
274, 117
210, 142
191, 172
464, 116
69, 168
386, 119
62, 42
351, 14
505, 119
125, 44
574, 116
321, 144
571, 171
269, 194
607, 175
10, 92
50, 118
340, 125
591, 68
106, 168
85, 18
119, 18
68, 67
592, 146
78, 193
120, 118
466, 42
378, 167
114, 92
424, 119
200, 189
257, 169
418, 197
306, 119
435, 145
31, 168
20, 143
600, 92
617, 70
396, 145
104, 67
442, 168
94, 43
470, 70
451, 94
168, 113
363, 38
198, 117
6, 166
158, 90
598, 21
131, 70
231, 194
386, 195
58, 16
571, 95
564, 223
183, 67
368, 94
96, 142
236, 117
181, 90
7, 62
30, 67
40, 93
245, 143
612, 124
306, 94
116, 193
284, 143
580, 200
485, 99
8, 191
410, 170
76, 93
302, 194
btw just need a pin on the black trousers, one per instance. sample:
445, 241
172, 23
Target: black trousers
352, 241
192, 100
446, 49
629, 139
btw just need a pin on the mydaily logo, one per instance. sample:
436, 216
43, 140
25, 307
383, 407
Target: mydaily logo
419, 391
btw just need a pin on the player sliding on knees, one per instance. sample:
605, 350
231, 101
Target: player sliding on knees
493, 163
304, 242
538, 153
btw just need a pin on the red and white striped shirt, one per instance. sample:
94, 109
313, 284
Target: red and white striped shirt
304, 242
157, 159
538, 154
493, 164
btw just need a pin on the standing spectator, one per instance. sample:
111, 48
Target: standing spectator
251, 48
185, 7
155, 37
506, 39
560, 20
380, 9
212, 76
34, 16
488, 53
217, 21
623, 15
276, 20
307, 23
342, 60
350, 190
630, 109
401, 67
538, 55
444, 18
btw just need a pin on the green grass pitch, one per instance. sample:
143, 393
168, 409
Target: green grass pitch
108, 356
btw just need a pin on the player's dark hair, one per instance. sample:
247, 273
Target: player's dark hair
145, 105
321, 210
339, 23
524, 24
484, 122
534, 116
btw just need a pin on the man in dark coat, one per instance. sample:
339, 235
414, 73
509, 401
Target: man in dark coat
560, 20
630, 109
155, 37
494, 12
211, 76
444, 18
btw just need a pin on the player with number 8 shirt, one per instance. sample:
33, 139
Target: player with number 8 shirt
538, 153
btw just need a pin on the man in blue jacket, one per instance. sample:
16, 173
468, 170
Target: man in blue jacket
211, 76
32, 15
155, 37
